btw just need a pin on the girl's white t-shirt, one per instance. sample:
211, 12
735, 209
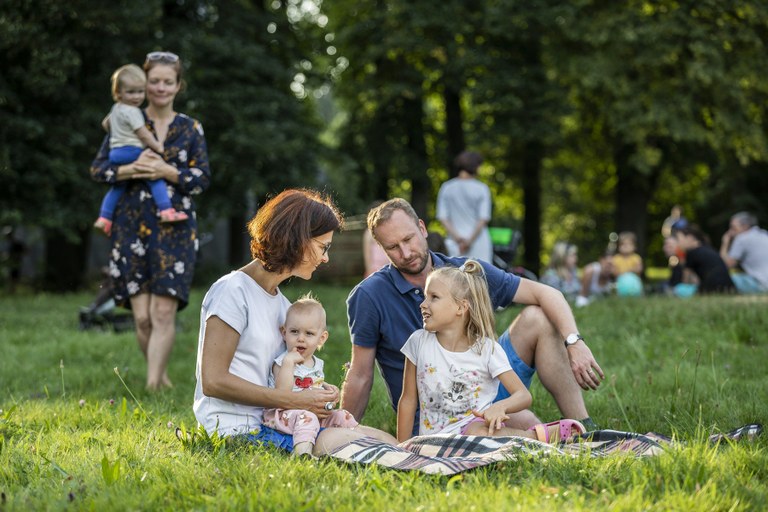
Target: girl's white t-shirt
452, 384
256, 315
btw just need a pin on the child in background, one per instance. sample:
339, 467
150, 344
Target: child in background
627, 260
298, 368
453, 366
128, 136
561, 273
675, 220
596, 279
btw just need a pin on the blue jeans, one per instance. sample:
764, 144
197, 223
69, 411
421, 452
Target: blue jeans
745, 283
125, 155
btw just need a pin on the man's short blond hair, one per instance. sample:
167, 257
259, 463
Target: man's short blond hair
382, 213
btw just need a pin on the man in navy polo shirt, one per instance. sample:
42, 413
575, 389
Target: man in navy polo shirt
383, 311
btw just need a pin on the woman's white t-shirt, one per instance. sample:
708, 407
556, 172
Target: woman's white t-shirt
452, 384
237, 300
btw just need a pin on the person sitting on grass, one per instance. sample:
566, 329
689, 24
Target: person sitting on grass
383, 311
596, 279
627, 259
745, 245
712, 274
562, 272
298, 369
240, 320
453, 366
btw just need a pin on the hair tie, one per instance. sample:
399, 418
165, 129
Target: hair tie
463, 267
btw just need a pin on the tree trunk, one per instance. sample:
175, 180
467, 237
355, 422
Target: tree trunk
533, 150
417, 156
532, 155
633, 191
454, 128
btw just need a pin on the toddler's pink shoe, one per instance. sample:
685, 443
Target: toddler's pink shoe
104, 225
171, 215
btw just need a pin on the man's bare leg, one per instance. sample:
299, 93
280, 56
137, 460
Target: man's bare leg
539, 345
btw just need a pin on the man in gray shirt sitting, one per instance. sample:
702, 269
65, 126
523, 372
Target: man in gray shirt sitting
746, 245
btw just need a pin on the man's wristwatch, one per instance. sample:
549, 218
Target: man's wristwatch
572, 338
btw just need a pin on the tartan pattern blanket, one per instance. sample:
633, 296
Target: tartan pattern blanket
451, 454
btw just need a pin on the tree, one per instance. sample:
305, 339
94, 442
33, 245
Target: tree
240, 59
663, 84
54, 92
262, 136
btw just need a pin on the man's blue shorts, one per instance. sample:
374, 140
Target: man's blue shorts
522, 370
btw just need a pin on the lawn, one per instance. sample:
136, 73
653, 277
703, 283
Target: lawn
78, 431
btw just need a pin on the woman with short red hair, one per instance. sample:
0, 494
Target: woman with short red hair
240, 323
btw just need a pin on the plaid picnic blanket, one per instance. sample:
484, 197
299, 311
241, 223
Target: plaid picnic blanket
451, 454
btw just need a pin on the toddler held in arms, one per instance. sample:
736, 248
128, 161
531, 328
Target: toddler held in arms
128, 136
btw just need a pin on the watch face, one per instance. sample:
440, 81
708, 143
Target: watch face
572, 338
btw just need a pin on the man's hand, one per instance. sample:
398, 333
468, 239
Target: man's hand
359, 380
585, 369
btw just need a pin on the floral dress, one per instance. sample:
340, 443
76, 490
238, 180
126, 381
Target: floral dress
147, 256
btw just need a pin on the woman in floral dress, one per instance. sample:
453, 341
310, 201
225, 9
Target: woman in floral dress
151, 264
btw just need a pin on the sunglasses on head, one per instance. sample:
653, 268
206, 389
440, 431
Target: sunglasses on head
164, 56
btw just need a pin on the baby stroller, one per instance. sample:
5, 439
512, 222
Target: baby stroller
505, 243
100, 314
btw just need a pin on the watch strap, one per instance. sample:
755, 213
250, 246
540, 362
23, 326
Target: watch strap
573, 338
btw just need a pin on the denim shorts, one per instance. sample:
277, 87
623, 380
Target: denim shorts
270, 437
522, 370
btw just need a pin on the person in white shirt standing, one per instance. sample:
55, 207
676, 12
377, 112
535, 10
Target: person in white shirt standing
464, 210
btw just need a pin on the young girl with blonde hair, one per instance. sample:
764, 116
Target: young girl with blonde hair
562, 271
453, 366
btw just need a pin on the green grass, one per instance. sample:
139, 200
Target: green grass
679, 367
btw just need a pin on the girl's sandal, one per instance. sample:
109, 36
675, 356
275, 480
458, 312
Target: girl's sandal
566, 430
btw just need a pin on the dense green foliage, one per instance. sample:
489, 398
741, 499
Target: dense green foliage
593, 116
603, 114
679, 367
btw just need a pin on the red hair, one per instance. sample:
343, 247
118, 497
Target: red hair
284, 226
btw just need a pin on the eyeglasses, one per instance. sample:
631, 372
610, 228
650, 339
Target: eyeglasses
164, 56
326, 247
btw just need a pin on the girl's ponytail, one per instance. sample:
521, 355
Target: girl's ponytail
468, 284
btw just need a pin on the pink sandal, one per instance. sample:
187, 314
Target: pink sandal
567, 429
103, 224
172, 215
